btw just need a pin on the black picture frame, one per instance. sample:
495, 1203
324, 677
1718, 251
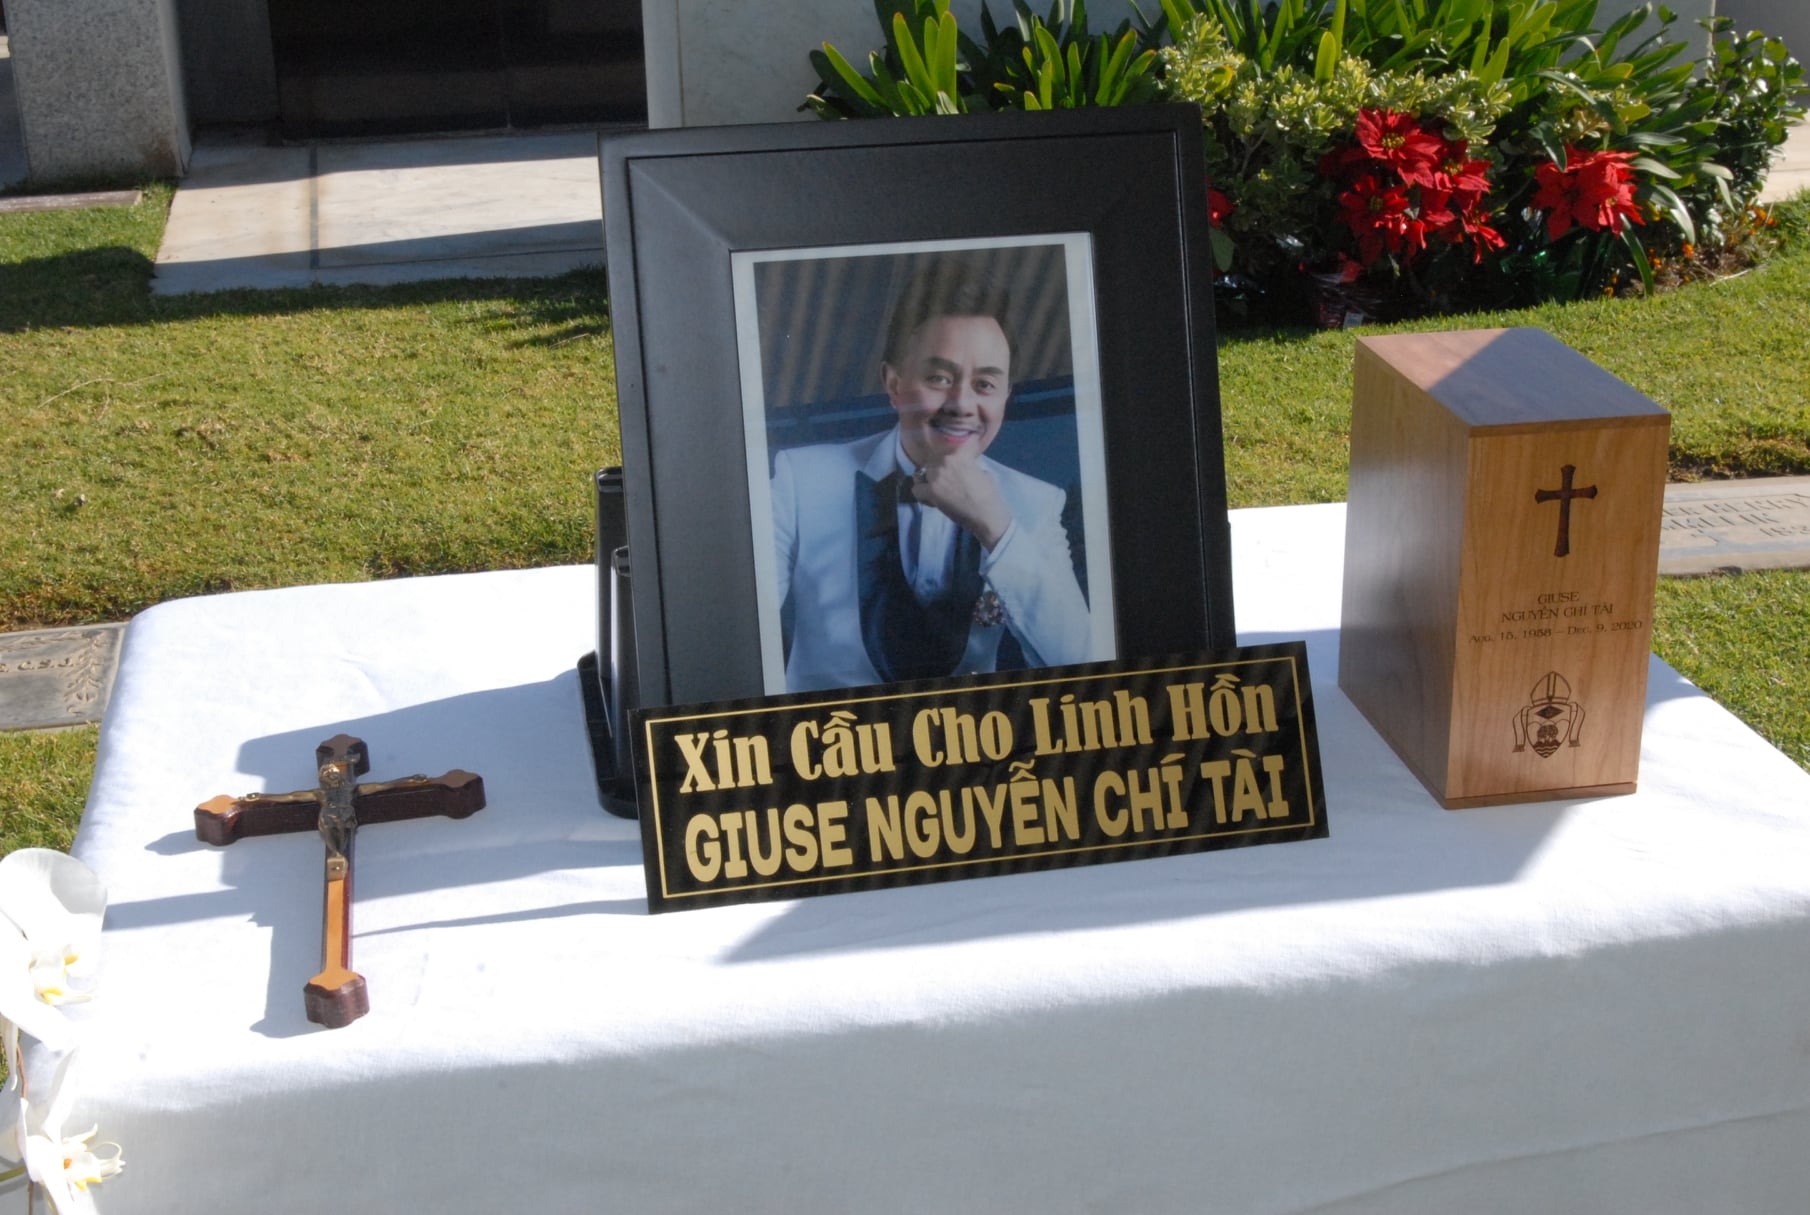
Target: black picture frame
679, 203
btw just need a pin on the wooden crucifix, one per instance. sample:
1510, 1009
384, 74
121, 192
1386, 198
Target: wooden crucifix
336, 996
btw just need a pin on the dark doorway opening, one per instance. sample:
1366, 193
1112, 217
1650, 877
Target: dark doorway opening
388, 67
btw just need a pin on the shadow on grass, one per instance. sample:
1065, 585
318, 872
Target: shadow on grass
111, 286
104, 286
93, 268
559, 309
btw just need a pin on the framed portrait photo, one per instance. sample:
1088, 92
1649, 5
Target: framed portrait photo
821, 402
917, 398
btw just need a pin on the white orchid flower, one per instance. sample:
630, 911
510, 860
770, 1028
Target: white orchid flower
51, 907
21, 1008
65, 1165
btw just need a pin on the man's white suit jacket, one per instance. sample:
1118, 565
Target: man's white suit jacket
814, 513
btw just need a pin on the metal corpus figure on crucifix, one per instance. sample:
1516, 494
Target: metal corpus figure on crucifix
336, 996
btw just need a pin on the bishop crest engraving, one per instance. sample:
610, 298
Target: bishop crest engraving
1550, 718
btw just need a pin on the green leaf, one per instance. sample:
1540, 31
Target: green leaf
1223, 249
1652, 139
856, 82
1664, 197
1549, 143
1180, 15
1272, 42
1524, 26
948, 37
1640, 257
1114, 72
1326, 61
930, 37
1646, 164
916, 74
892, 99
1493, 70
851, 79
1480, 51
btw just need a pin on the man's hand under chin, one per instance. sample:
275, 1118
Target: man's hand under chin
961, 488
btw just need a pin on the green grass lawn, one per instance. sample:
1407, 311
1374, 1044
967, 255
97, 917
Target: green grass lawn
161, 448
177, 447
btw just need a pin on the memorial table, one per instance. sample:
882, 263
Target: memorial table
1570, 1006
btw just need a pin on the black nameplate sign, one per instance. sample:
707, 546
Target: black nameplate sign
825, 792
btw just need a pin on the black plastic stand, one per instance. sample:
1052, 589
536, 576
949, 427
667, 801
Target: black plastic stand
607, 675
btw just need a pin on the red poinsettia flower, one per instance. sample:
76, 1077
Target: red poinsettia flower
1218, 207
1595, 190
1398, 141
1436, 209
1377, 214
1484, 239
1456, 173
1414, 232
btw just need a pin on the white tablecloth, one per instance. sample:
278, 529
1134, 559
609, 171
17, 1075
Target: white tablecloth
1593, 1006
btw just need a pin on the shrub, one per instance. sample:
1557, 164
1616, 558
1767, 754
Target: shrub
1598, 152
1751, 83
1551, 158
1281, 143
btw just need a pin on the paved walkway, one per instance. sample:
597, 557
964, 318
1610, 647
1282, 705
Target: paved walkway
250, 215
1792, 172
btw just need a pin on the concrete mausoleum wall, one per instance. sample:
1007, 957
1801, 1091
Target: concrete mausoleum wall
718, 62
99, 87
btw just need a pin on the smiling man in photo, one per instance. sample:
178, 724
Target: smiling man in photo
910, 554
